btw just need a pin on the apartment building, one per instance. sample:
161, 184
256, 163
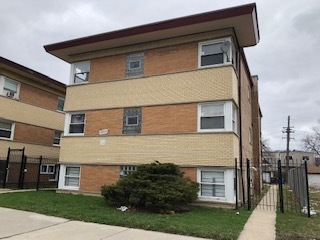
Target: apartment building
31, 114
177, 91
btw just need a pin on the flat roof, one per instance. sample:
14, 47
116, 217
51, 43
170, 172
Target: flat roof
243, 19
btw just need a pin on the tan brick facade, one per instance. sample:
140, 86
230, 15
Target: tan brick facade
208, 84
213, 149
30, 149
25, 113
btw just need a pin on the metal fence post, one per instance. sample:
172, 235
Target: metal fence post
307, 187
6, 170
280, 186
248, 184
39, 170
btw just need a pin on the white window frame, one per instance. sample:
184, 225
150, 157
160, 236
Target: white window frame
125, 170
73, 72
3, 92
47, 169
54, 138
62, 177
132, 61
234, 119
68, 122
228, 183
216, 41
134, 116
12, 130
228, 108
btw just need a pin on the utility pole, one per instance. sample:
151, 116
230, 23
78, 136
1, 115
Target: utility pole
288, 130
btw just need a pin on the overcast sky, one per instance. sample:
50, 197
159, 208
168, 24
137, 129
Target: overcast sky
286, 59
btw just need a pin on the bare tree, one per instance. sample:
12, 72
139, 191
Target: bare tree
312, 141
265, 147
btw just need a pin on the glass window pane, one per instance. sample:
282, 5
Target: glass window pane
76, 128
211, 49
82, 67
43, 168
212, 177
212, 123
50, 169
134, 65
212, 190
11, 86
77, 118
212, 59
5, 125
72, 181
132, 120
5, 134
212, 110
60, 104
74, 171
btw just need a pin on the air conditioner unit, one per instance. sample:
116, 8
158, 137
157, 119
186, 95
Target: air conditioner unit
10, 94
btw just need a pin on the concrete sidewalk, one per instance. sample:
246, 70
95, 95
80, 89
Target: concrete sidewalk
261, 223
21, 225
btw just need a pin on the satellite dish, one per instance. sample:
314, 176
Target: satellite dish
225, 46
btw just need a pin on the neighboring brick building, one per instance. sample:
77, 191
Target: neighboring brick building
176, 91
31, 114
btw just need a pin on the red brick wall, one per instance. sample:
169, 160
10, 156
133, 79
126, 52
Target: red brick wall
171, 59
107, 68
38, 97
157, 119
170, 118
190, 173
93, 177
104, 119
33, 134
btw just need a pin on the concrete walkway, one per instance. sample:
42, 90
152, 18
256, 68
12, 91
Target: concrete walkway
261, 223
21, 225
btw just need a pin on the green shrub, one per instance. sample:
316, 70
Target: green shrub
153, 187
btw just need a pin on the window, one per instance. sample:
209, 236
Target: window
47, 169
212, 116
76, 125
60, 103
135, 65
212, 184
6, 130
125, 170
132, 120
215, 52
217, 116
10, 88
234, 119
305, 158
81, 72
72, 176
57, 136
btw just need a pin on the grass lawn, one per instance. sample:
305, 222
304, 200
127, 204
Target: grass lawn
296, 225
200, 222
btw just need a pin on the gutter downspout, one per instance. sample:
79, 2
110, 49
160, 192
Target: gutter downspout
240, 128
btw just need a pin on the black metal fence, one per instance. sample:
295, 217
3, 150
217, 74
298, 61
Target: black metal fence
267, 185
18, 171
